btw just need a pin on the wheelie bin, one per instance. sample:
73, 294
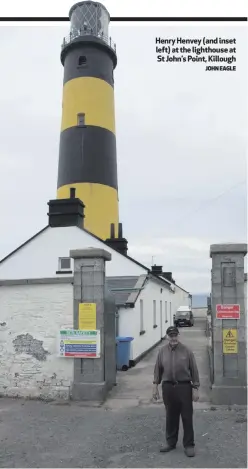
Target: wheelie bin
123, 352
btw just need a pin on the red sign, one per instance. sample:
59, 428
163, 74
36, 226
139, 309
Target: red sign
228, 311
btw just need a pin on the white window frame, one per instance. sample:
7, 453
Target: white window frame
161, 315
166, 311
81, 115
141, 316
154, 313
61, 269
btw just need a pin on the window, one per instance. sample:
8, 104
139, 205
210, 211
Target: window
141, 316
165, 310
81, 120
161, 314
116, 323
82, 60
154, 313
64, 263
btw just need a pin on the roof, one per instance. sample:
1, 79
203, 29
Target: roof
125, 289
186, 291
83, 229
23, 244
158, 277
183, 308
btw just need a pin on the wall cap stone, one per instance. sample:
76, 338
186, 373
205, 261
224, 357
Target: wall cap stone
37, 281
232, 248
90, 253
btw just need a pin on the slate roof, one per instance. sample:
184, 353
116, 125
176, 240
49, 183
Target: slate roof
125, 289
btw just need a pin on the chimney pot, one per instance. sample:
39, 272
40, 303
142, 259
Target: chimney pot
120, 231
72, 193
112, 231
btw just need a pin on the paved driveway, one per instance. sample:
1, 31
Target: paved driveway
126, 432
135, 386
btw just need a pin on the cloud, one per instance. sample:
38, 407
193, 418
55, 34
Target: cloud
176, 248
187, 258
193, 244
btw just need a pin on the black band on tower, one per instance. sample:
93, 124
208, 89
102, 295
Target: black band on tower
88, 57
100, 168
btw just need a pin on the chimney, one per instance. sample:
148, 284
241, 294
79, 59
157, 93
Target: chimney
157, 269
168, 276
120, 243
66, 212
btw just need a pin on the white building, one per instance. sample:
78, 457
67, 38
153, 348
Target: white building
245, 292
36, 301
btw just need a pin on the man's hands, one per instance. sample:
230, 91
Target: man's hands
155, 392
195, 395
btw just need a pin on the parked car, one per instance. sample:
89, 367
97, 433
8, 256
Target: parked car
184, 317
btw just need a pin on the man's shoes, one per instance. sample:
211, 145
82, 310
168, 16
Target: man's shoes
190, 451
167, 448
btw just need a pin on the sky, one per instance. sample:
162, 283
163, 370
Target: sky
181, 143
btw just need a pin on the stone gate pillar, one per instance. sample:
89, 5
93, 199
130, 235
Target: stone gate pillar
91, 380
229, 324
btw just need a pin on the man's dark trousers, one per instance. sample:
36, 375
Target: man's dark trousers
178, 402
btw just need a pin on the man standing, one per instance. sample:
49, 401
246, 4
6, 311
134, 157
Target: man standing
176, 368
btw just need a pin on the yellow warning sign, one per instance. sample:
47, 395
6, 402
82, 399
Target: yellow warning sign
87, 316
230, 341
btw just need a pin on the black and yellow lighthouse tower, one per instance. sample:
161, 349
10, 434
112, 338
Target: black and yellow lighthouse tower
87, 154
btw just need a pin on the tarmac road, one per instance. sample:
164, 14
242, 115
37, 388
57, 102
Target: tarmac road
126, 432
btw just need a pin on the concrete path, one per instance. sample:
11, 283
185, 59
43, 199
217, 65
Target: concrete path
126, 432
135, 386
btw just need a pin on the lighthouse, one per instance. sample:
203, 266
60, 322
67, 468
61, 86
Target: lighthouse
87, 151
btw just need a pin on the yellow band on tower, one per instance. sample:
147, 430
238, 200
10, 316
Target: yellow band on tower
101, 206
93, 97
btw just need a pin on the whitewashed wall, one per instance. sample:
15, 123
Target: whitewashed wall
39, 258
245, 294
40, 311
130, 321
